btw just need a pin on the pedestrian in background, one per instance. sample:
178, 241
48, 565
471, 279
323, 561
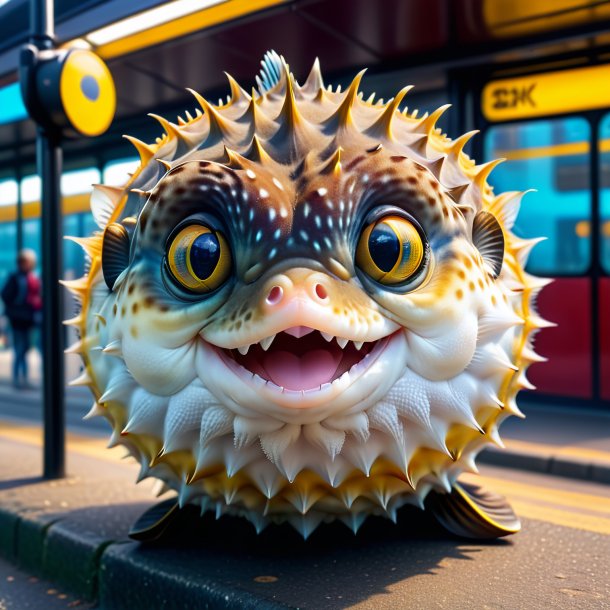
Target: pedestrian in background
23, 308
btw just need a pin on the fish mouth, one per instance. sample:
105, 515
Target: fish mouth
302, 359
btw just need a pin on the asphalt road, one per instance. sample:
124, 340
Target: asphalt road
26, 405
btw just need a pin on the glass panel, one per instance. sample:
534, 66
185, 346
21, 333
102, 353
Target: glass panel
117, 172
8, 192
79, 181
30, 188
553, 158
604, 195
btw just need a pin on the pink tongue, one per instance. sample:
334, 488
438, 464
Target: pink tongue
301, 373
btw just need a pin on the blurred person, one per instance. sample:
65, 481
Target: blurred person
23, 308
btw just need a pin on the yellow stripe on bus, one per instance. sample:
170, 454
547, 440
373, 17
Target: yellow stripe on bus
556, 150
73, 204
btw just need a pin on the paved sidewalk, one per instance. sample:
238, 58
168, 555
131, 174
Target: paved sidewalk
557, 440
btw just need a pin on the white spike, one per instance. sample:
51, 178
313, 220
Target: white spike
327, 336
243, 349
342, 342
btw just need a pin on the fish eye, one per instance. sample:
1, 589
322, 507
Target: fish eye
199, 258
391, 250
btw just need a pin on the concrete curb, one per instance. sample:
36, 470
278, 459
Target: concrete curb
573, 468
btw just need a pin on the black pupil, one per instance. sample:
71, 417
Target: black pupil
204, 255
384, 247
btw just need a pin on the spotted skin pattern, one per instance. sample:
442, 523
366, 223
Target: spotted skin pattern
290, 175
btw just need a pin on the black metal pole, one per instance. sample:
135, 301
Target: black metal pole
19, 226
49, 159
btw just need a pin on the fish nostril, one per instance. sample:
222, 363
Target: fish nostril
275, 295
321, 292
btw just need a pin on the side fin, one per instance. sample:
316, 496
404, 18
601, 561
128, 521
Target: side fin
488, 238
152, 523
115, 249
471, 512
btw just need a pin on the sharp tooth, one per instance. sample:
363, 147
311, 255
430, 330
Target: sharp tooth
342, 342
265, 343
358, 344
327, 337
243, 349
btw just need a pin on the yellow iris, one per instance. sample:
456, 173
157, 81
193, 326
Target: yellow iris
390, 250
199, 258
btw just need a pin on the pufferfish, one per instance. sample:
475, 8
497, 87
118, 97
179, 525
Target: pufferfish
306, 307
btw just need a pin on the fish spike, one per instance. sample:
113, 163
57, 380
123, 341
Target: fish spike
428, 122
189, 116
333, 165
217, 123
75, 348
91, 245
145, 151
75, 321
343, 113
483, 171
314, 82
78, 288
140, 192
383, 125
181, 121
83, 379
170, 129
166, 167
289, 112
370, 99
457, 146
235, 160
237, 93
260, 121
257, 152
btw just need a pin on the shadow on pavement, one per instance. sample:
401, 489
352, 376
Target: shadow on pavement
332, 569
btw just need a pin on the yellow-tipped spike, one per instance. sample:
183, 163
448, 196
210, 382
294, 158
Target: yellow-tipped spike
181, 121
343, 114
217, 123
91, 245
333, 166
428, 122
75, 321
484, 170
457, 146
145, 151
165, 164
257, 152
77, 287
189, 116
170, 129
289, 113
75, 348
83, 379
383, 125
260, 122
237, 93
234, 159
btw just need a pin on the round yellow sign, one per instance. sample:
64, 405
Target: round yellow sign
87, 92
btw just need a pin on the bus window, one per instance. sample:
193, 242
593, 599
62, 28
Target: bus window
553, 158
604, 199
604, 257
117, 172
79, 181
8, 231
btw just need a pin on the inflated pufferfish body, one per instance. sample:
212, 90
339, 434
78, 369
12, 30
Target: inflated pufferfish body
305, 306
